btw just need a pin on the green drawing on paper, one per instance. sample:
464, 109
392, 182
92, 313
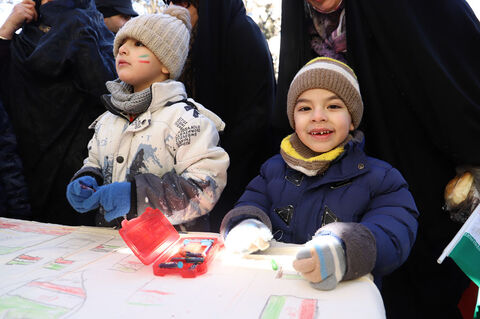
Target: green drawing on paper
274, 307
18, 307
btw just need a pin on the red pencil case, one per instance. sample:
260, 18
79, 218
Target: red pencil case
152, 238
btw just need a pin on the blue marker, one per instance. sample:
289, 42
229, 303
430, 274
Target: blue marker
171, 265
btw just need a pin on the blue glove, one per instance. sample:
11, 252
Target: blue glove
79, 194
322, 262
115, 199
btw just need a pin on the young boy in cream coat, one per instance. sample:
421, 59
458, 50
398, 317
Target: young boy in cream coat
153, 147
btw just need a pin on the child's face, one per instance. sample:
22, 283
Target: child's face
138, 66
322, 120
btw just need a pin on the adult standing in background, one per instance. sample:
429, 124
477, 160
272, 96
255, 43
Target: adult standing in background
13, 189
230, 70
418, 68
115, 12
53, 73
309, 29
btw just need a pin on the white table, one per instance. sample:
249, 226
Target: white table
53, 271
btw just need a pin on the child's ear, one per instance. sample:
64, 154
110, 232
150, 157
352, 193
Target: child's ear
352, 127
165, 70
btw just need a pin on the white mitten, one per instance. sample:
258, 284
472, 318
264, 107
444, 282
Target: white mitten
248, 236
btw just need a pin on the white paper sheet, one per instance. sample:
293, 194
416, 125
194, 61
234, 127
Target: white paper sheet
52, 271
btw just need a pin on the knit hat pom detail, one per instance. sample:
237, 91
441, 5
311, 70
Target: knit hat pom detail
180, 13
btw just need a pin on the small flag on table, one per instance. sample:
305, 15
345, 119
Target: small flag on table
464, 249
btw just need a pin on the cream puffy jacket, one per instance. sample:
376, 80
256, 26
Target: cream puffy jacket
169, 153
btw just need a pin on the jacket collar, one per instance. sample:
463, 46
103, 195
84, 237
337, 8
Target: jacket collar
163, 92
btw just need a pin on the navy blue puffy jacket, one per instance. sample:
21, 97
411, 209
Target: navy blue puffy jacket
356, 188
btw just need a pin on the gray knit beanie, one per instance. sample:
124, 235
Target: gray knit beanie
166, 34
332, 75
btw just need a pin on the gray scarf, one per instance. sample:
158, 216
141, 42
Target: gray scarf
125, 100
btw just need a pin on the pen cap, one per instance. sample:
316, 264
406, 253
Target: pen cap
148, 235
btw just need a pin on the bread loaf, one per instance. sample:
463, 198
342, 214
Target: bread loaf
458, 189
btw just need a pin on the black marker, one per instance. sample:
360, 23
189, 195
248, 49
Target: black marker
189, 260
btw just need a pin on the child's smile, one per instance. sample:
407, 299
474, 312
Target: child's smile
321, 133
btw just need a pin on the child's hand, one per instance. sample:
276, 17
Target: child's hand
248, 236
115, 199
79, 194
322, 262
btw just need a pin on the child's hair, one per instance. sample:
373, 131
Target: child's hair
166, 34
329, 74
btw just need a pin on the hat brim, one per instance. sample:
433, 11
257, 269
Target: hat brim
126, 11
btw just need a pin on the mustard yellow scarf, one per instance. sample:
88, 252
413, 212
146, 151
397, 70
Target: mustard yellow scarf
299, 157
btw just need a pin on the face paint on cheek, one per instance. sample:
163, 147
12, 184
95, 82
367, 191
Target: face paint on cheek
143, 58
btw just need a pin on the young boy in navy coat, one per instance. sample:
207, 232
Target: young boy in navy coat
354, 213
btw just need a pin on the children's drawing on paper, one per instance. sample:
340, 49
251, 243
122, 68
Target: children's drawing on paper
24, 260
66, 253
148, 295
15, 236
58, 264
49, 255
287, 275
48, 271
29, 227
109, 246
128, 264
44, 299
290, 307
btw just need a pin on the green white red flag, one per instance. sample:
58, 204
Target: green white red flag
464, 249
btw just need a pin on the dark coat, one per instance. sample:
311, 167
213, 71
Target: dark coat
355, 188
53, 74
233, 77
418, 69
13, 190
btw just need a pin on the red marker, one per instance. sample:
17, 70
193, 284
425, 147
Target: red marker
84, 186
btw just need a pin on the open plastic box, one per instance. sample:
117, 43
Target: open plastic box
152, 238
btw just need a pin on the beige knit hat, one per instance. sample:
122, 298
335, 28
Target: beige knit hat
166, 34
332, 75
